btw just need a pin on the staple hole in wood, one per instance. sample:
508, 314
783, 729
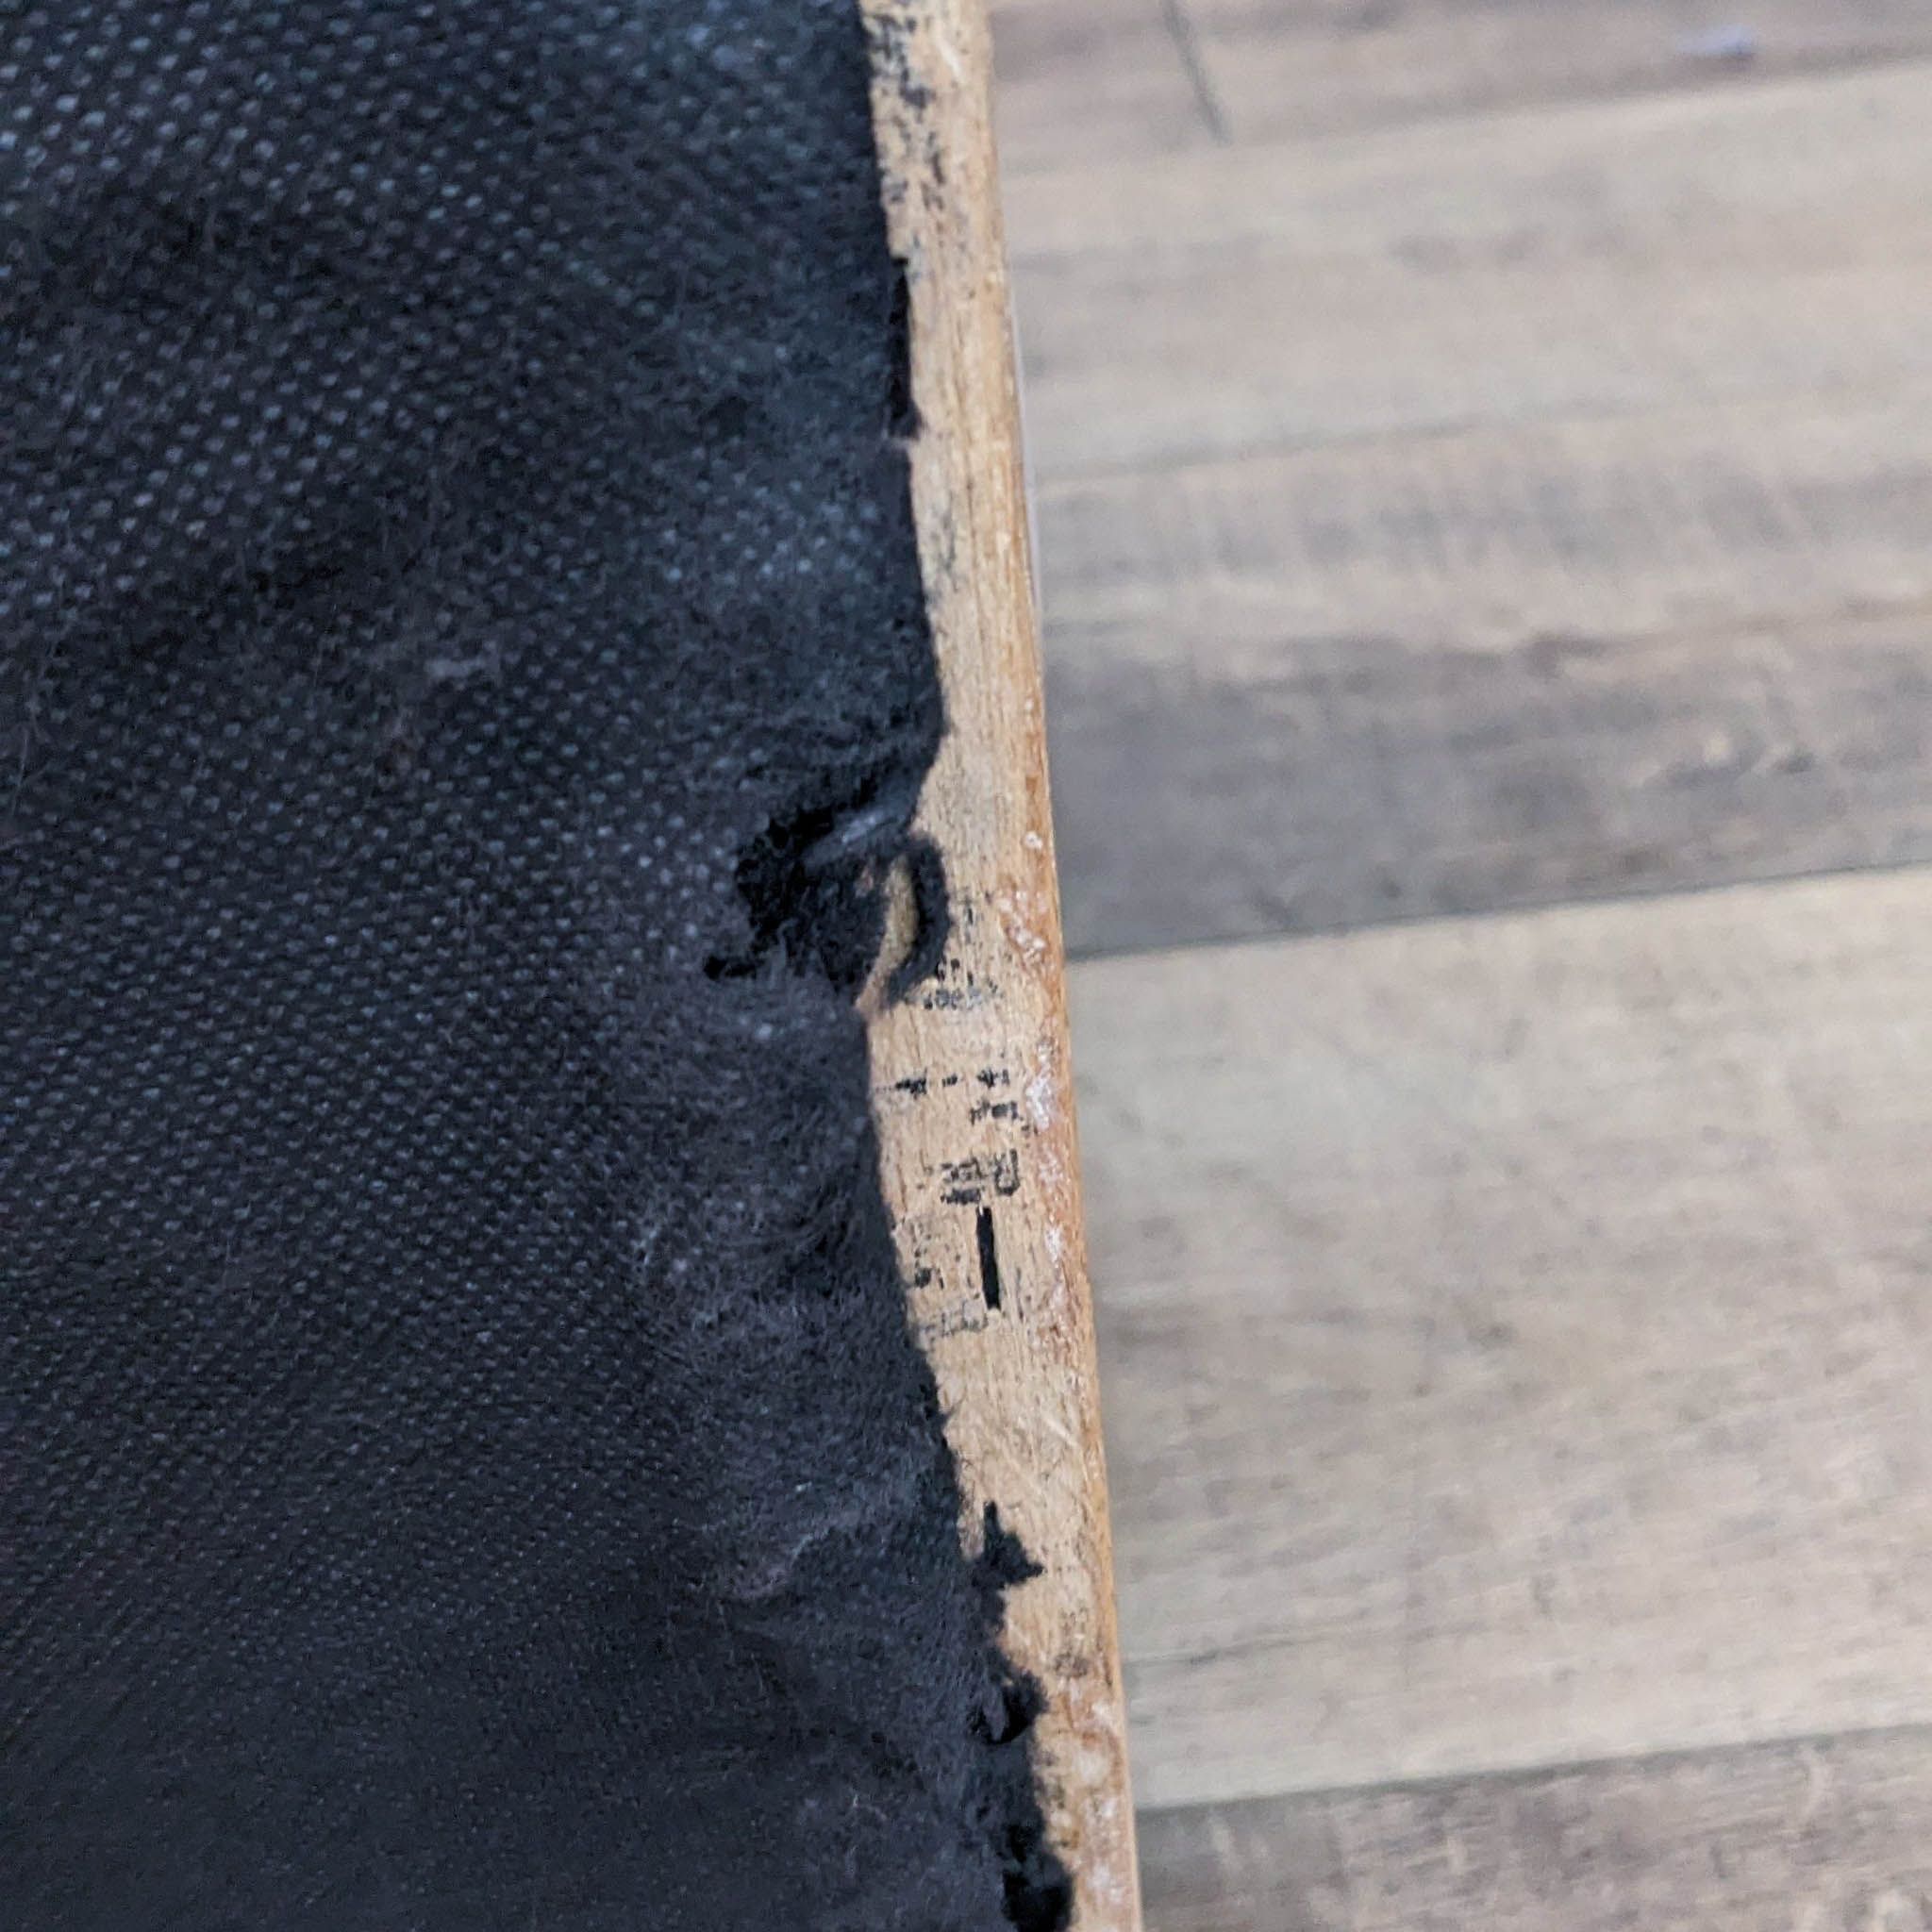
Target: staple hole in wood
988, 1243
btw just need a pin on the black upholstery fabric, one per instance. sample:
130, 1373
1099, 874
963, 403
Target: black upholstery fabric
464, 674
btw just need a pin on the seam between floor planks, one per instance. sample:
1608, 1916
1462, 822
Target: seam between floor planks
1180, 465
1643, 895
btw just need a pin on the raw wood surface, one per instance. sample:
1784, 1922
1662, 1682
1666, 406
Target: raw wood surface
1515, 1334
1833, 1835
972, 1086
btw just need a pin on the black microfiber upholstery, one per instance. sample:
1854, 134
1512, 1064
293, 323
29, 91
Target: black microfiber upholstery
463, 674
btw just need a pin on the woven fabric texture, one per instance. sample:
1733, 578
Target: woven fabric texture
464, 678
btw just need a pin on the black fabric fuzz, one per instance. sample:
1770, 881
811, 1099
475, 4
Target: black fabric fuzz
464, 677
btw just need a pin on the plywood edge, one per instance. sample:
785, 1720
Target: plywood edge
972, 1089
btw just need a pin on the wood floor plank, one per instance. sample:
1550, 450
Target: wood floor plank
1831, 1836
1287, 68
1091, 81
1516, 1339
1631, 256
1506, 667
1308, 785
1611, 528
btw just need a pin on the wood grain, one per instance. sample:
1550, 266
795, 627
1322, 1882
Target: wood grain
1827, 1836
1516, 1334
971, 1082
1294, 68
1100, 79
1091, 80
1626, 257
1276, 783
1588, 552
1497, 667
1612, 528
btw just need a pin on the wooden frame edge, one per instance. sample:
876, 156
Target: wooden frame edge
973, 1091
